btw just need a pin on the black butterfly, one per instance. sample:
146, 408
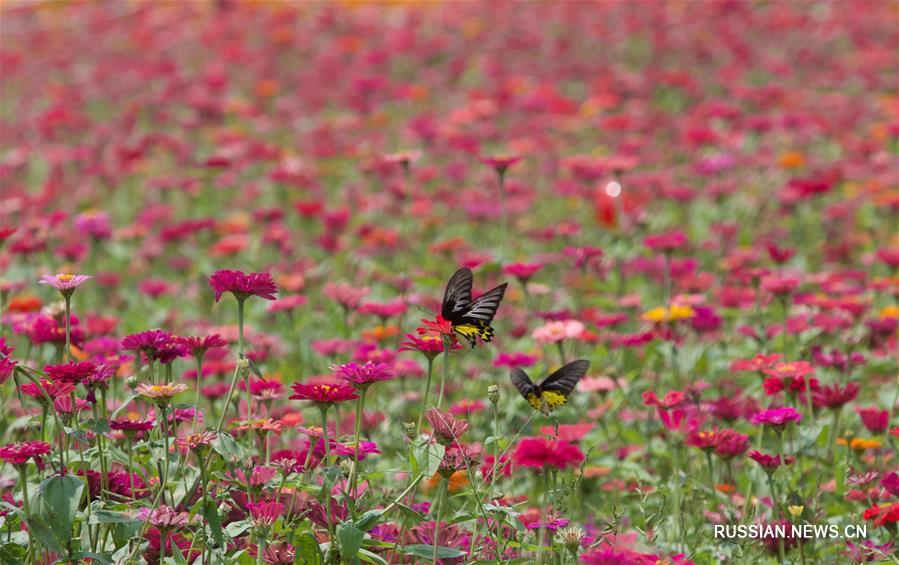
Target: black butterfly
554, 390
470, 318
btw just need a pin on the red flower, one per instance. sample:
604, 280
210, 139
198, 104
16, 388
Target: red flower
768, 462
242, 285
665, 242
73, 372
542, 452
20, 453
875, 419
887, 514
834, 397
324, 394
500, 163
198, 346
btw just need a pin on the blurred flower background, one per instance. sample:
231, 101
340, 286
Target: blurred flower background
226, 226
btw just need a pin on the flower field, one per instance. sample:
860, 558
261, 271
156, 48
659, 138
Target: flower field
449, 282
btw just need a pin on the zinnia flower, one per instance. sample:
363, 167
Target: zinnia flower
447, 429
324, 394
776, 417
19, 453
543, 452
66, 284
243, 285
554, 332
160, 394
362, 376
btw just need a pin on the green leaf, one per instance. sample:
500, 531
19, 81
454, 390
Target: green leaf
307, 550
350, 538
366, 555
94, 557
254, 368
427, 551
429, 456
368, 520
101, 516
236, 529
211, 513
225, 446
60, 496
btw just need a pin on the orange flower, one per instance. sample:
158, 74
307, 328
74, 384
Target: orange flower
25, 303
791, 160
457, 481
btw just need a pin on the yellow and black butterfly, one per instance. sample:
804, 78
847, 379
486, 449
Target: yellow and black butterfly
470, 318
554, 390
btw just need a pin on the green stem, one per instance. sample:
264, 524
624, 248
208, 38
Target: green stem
541, 532
424, 404
26, 506
324, 413
68, 328
446, 349
354, 473
197, 402
503, 216
441, 493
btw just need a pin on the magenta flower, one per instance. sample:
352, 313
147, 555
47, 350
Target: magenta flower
776, 417
522, 271
874, 419
361, 376
19, 453
242, 285
198, 346
324, 394
149, 342
7, 365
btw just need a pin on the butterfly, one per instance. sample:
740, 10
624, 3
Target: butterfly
554, 390
470, 318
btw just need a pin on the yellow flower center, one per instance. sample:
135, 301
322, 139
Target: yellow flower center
65, 278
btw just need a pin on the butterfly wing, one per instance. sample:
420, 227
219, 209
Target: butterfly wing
475, 320
483, 308
457, 297
557, 387
527, 389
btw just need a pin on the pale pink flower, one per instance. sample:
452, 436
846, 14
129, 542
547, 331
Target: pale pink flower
554, 332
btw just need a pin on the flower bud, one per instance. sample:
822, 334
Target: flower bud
410, 430
493, 394
571, 537
243, 363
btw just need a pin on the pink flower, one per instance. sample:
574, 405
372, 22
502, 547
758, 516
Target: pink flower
780, 285
20, 453
522, 271
73, 372
875, 419
242, 285
324, 394
7, 365
500, 163
665, 242
447, 429
265, 513
198, 346
554, 332
777, 417
542, 452
361, 376
65, 283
